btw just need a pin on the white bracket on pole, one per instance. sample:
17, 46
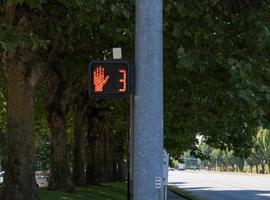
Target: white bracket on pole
117, 53
165, 172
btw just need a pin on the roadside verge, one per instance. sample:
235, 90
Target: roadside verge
183, 193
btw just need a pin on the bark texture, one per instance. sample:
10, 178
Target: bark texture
91, 174
105, 158
79, 142
263, 167
20, 79
60, 172
19, 177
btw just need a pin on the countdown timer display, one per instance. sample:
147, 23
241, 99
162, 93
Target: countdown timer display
110, 79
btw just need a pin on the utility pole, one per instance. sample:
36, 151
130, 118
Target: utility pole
148, 101
131, 147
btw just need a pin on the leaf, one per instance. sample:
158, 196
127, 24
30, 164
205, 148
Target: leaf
9, 47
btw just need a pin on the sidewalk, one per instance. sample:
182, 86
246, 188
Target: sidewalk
173, 196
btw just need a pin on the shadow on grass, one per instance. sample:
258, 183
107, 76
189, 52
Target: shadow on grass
111, 191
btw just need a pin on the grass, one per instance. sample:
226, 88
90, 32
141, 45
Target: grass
184, 193
110, 191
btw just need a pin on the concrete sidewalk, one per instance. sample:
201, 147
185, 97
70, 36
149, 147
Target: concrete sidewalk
173, 196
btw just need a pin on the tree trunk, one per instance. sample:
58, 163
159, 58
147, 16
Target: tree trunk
2, 150
91, 159
79, 150
232, 167
60, 172
241, 165
118, 158
99, 163
257, 168
106, 174
108, 161
19, 182
263, 167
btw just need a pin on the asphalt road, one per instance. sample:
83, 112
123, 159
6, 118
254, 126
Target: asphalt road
173, 196
222, 186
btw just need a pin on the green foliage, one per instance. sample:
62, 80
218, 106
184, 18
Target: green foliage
112, 191
261, 150
41, 128
10, 40
30, 3
84, 31
216, 67
263, 141
225, 159
173, 162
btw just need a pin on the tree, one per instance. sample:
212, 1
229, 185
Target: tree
3, 116
43, 136
79, 158
216, 82
224, 159
19, 62
253, 160
215, 72
263, 147
57, 103
205, 154
46, 16
107, 133
215, 157
71, 48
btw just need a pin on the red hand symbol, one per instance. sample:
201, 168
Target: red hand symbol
99, 79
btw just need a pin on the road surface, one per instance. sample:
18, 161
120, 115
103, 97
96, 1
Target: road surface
173, 196
222, 186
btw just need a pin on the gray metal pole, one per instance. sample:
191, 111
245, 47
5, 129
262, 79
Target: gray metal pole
131, 146
148, 102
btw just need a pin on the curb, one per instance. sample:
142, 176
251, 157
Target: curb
183, 193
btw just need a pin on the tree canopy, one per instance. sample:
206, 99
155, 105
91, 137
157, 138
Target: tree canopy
216, 68
216, 73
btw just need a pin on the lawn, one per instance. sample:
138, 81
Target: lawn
110, 191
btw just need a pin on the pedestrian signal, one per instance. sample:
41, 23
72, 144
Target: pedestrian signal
110, 79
